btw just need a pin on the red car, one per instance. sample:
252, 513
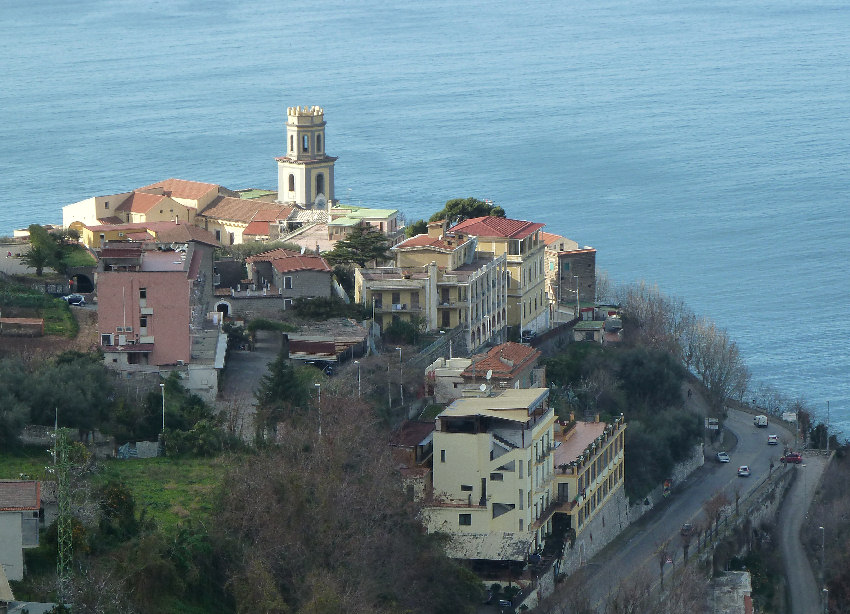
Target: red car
792, 457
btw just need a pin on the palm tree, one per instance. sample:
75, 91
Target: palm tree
37, 257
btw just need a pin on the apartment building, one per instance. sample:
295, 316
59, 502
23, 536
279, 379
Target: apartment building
493, 469
521, 244
442, 280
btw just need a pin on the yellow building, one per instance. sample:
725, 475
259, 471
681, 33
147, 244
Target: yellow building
305, 175
520, 242
493, 468
589, 470
441, 279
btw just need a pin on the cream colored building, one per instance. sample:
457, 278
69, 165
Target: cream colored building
305, 175
589, 470
441, 279
493, 467
520, 242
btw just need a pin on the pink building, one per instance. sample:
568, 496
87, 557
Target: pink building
153, 299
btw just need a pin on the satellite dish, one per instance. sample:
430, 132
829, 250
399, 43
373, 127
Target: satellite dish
482, 387
489, 374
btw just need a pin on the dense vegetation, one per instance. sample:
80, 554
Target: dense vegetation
645, 385
455, 211
56, 250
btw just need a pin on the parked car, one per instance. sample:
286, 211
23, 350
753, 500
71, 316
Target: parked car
722, 457
772, 440
75, 299
687, 530
528, 336
743, 471
792, 457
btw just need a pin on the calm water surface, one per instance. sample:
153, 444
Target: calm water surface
700, 145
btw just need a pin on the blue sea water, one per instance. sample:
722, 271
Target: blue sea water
700, 145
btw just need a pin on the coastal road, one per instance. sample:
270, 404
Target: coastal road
803, 589
632, 554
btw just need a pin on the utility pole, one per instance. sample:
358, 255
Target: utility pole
63, 521
400, 377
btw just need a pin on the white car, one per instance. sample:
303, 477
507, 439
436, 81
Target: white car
743, 471
722, 457
772, 440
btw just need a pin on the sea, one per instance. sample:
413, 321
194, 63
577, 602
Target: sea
702, 146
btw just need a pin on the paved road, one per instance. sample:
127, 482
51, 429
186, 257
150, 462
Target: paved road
633, 552
242, 375
802, 586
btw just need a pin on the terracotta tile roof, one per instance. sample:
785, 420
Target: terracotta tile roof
301, 263
112, 220
490, 226
244, 210
181, 233
19, 496
121, 252
140, 202
505, 360
411, 433
181, 188
257, 229
286, 260
424, 240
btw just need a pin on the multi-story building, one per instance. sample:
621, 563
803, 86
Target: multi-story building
493, 468
577, 278
306, 173
153, 302
588, 481
290, 275
554, 244
441, 279
520, 242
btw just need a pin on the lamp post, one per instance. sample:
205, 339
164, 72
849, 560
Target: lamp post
822, 545
826, 600
400, 377
162, 390
319, 391
357, 362
578, 302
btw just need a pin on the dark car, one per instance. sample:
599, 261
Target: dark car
528, 336
75, 299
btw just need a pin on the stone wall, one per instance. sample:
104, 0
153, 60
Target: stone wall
607, 523
255, 306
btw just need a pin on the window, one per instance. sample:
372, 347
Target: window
106, 340
291, 183
318, 143
291, 143
106, 204
287, 303
143, 293
521, 525
414, 300
464, 520
305, 143
143, 322
218, 235
442, 456
521, 500
496, 477
379, 300
231, 238
466, 487
287, 282
320, 184
396, 298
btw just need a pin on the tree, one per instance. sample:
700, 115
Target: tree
719, 364
37, 258
419, 227
460, 209
363, 244
282, 395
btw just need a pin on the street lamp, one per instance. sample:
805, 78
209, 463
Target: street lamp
400, 377
357, 362
822, 544
826, 600
162, 390
319, 390
578, 302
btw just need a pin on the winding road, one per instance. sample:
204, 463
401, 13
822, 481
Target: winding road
633, 553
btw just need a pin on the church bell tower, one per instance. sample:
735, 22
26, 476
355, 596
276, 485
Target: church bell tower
305, 175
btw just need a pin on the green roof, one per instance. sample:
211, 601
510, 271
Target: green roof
344, 221
255, 193
363, 212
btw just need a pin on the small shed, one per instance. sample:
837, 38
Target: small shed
22, 327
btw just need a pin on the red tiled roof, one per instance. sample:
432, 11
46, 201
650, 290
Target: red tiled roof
112, 220
181, 188
548, 238
140, 202
257, 228
271, 255
121, 252
424, 240
242, 210
491, 226
497, 360
19, 496
300, 263
272, 214
182, 232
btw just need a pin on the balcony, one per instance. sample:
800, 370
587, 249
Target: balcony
398, 308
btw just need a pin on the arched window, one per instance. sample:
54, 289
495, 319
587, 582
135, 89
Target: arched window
320, 184
292, 183
291, 143
318, 143
305, 143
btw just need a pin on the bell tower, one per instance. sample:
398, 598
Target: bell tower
305, 175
